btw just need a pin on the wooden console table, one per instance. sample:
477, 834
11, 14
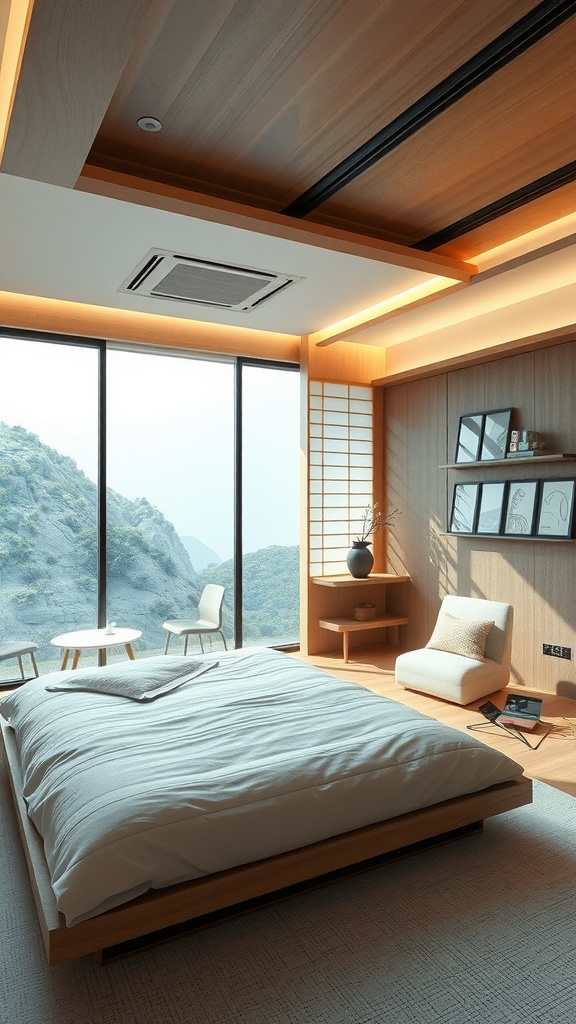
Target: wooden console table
347, 624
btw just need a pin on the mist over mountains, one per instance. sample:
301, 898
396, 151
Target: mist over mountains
200, 555
48, 559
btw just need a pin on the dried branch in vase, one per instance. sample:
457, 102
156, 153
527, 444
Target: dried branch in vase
373, 520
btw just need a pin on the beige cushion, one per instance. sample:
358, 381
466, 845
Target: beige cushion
460, 636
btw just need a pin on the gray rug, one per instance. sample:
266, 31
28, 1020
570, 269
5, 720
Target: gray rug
482, 929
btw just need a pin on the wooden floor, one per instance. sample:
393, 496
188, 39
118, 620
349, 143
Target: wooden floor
555, 760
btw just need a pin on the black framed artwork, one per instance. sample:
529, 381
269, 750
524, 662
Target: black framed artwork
464, 505
495, 434
491, 507
520, 507
556, 508
544, 509
483, 436
469, 437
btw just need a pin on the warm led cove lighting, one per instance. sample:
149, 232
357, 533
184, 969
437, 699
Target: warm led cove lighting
546, 234
381, 310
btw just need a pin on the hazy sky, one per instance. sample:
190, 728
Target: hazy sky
170, 434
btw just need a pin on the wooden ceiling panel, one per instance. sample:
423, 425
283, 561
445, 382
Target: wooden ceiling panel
259, 101
262, 101
514, 128
527, 218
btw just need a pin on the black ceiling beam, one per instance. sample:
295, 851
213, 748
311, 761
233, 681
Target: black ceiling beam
505, 48
534, 190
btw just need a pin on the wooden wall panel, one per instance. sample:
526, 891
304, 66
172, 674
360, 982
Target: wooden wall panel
481, 568
554, 618
415, 444
536, 576
554, 376
555, 564
501, 570
353, 364
498, 384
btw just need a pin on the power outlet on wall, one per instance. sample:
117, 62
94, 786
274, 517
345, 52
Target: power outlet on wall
556, 651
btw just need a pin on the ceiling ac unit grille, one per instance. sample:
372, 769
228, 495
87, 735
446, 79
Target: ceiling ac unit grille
167, 275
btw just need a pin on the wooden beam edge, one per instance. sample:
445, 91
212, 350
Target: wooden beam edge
128, 188
547, 339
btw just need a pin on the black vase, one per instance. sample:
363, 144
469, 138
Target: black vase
359, 559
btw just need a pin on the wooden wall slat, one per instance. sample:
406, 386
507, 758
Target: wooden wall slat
415, 444
537, 577
555, 565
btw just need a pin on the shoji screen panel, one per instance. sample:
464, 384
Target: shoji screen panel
340, 471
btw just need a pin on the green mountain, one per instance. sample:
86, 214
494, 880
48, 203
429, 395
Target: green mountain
270, 595
48, 559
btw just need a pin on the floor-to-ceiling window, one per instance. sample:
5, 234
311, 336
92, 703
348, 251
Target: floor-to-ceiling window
270, 451
170, 498
48, 493
194, 494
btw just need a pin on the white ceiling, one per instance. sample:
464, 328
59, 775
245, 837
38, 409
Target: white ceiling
80, 247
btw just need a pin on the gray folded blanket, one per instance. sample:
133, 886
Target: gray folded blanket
142, 680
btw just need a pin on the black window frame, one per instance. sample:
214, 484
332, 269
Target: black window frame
102, 345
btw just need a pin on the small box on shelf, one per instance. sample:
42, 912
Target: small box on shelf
365, 612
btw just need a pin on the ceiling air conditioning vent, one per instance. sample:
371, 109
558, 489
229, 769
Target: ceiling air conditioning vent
167, 275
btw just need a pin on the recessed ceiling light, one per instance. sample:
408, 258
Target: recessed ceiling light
150, 124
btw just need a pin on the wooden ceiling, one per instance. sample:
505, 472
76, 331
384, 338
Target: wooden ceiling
446, 126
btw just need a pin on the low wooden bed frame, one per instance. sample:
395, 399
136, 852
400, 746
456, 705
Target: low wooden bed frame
163, 908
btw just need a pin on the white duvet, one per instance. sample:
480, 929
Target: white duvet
259, 755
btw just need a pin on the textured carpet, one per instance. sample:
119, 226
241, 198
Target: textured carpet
481, 929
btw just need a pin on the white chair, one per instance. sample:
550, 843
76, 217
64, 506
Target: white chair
15, 649
458, 664
209, 619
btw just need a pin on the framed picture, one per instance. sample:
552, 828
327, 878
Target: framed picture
556, 508
495, 434
469, 437
464, 504
520, 507
490, 507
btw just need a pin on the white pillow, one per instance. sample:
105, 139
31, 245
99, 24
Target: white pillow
142, 680
460, 636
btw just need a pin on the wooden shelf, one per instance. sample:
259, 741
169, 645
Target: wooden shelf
521, 460
509, 536
347, 624
351, 581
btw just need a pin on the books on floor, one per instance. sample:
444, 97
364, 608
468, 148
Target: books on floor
522, 712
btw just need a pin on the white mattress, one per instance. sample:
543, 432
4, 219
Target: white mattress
260, 755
